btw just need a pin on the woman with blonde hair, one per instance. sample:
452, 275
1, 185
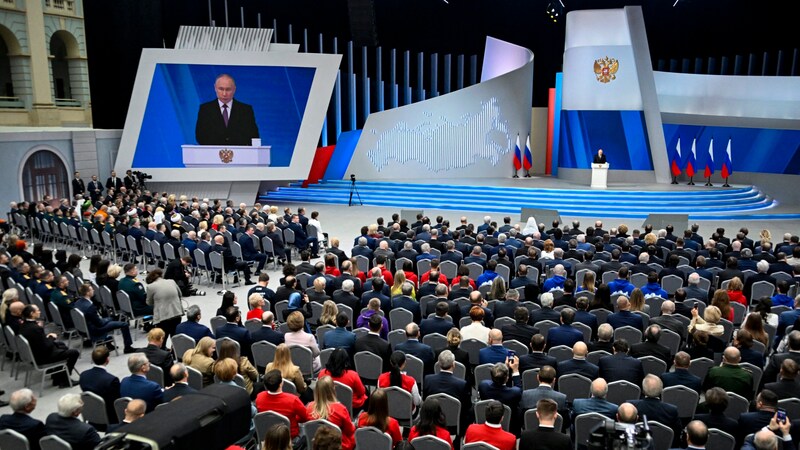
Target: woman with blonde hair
735, 294
326, 406
329, 312
9, 296
283, 363
549, 248
229, 350
217, 221
201, 227
708, 323
723, 302
637, 301
650, 239
200, 358
397, 287
765, 236
498, 290
158, 216
588, 283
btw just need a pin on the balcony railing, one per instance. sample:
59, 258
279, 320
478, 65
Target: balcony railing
62, 5
11, 102
68, 102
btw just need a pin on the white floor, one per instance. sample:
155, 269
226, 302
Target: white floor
345, 223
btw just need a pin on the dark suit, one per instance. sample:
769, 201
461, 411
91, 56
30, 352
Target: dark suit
402, 301
266, 333
104, 384
115, 183
194, 330
536, 360
46, 351
422, 351
447, 383
592, 404
751, 422
520, 332
626, 318
720, 422
563, 335
374, 344
652, 349
599, 159
493, 354
81, 436
341, 297
545, 438
78, 187
545, 314
211, 129
672, 324
95, 190
507, 395
238, 334
663, 413
339, 338
435, 325
681, 377
620, 366
784, 389
579, 366
178, 390
136, 386
25, 425
160, 358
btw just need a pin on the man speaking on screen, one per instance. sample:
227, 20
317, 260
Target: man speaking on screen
225, 121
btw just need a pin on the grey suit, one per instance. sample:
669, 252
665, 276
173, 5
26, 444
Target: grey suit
531, 396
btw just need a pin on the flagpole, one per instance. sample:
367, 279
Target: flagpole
691, 181
726, 183
708, 182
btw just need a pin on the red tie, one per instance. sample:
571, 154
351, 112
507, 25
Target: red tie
225, 113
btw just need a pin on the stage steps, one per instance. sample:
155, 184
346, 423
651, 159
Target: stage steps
735, 203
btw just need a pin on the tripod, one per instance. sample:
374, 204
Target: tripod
353, 189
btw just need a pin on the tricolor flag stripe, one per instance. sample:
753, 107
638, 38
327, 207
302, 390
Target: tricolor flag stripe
727, 165
690, 163
517, 156
710, 160
527, 159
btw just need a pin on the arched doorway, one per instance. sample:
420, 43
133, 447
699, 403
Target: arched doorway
9, 51
44, 173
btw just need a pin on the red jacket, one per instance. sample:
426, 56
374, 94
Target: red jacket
351, 379
495, 436
338, 415
287, 404
392, 429
441, 433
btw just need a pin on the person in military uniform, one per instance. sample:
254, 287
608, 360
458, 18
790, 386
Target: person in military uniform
63, 301
135, 290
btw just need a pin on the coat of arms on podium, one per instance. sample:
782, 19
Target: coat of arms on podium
226, 155
605, 69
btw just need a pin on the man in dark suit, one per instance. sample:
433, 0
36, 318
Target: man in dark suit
766, 406
407, 302
192, 326
134, 410
138, 386
249, 252
681, 376
67, 425
98, 381
180, 387
237, 332
668, 321
225, 121
114, 182
717, 402
546, 312
267, 331
625, 317
605, 339
372, 341
599, 158
786, 387
229, 260
564, 334
23, 402
497, 388
281, 251
412, 346
340, 337
345, 296
762, 275
655, 409
156, 355
446, 383
303, 240
520, 330
620, 366
45, 348
95, 189
495, 352
597, 403
578, 364
651, 347
545, 435
439, 323
78, 188
537, 358
546, 378
582, 315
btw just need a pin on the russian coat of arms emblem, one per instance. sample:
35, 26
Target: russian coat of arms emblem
226, 155
605, 69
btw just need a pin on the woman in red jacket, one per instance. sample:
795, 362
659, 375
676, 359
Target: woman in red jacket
338, 368
325, 406
396, 377
377, 415
735, 294
431, 421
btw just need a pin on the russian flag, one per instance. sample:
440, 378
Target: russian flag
676, 159
690, 163
517, 156
727, 165
710, 160
527, 160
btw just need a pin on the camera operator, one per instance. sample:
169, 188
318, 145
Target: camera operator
129, 180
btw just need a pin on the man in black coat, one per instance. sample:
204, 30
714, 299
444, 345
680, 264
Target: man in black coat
786, 387
177, 270
372, 341
766, 406
446, 383
520, 331
180, 377
776, 360
717, 402
267, 331
657, 410
537, 358
545, 435
578, 363
45, 348
78, 188
23, 402
651, 347
67, 425
439, 323
114, 182
681, 376
99, 381
620, 366
225, 121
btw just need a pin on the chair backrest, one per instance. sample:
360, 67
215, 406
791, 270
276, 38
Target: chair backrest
762, 289
253, 325
561, 352
739, 311
683, 398
195, 378
699, 367
368, 365
119, 407
483, 372
396, 337
639, 279
415, 368
671, 283
478, 446
736, 406
11, 440
451, 407
791, 405
216, 322
671, 340
156, 374
94, 409
630, 334
719, 440
400, 404
473, 347
622, 391
500, 322
480, 413
53, 442
436, 341
662, 435
264, 420
280, 309
517, 346
575, 386
303, 358
475, 270
310, 429
430, 442
594, 357
459, 371
371, 438
344, 394
400, 317
653, 365
531, 422
181, 343
585, 329
584, 424
544, 326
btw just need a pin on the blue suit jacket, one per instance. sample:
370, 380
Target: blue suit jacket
588, 405
401, 301
267, 334
493, 354
620, 366
194, 330
626, 318
563, 335
506, 395
339, 338
579, 366
435, 325
136, 386
661, 412
422, 351
238, 334
681, 377
447, 383
80, 435
587, 319
104, 384
249, 251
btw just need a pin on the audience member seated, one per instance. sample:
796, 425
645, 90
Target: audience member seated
131, 285
621, 366
625, 317
373, 308
192, 326
651, 347
283, 363
667, 320
497, 388
267, 331
234, 329
605, 339
396, 377
431, 422
439, 323
578, 363
681, 375
373, 343
297, 335
491, 431
228, 349
537, 358
99, 381
98, 327
45, 348
730, 375
156, 355
520, 331
653, 408
200, 358
565, 333
412, 346
766, 406
180, 386
545, 435
716, 403
339, 369
377, 415
495, 352
744, 342
22, 403
709, 323
547, 379
138, 386
597, 403
134, 410
621, 285
275, 400
476, 329
67, 425
786, 386
326, 407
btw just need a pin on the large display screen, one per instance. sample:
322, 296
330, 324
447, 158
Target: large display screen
183, 108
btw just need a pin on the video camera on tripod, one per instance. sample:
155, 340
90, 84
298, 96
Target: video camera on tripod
611, 435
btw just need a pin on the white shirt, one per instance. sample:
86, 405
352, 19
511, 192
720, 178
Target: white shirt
230, 107
475, 330
316, 225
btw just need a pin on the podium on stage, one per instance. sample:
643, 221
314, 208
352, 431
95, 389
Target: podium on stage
600, 176
207, 156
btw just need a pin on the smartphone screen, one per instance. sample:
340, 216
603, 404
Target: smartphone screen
781, 415
511, 354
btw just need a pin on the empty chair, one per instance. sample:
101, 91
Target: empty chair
195, 378
94, 409
594, 357
397, 337
304, 359
436, 341
622, 391
310, 429
699, 367
400, 405
584, 424
400, 317
653, 365
671, 340
530, 379
473, 347
544, 326
344, 394
119, 406
671, 283
574, 386
369, 367
662, 435
518, 347
430, 442
736, 406
483, 373
27, 360
53, 442
181, 343
630, 334
561, 353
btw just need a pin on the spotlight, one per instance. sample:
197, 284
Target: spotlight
555, 10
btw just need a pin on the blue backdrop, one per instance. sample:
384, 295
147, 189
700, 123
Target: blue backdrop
278, 95
752, 149
621, 135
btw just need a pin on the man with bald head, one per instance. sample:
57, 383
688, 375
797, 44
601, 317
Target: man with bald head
627, 414
14, 316
730, 376
412, 346
625, 317
133, 412
696, 435
667, 320
578, 364
495, 352
653, 408
597, 403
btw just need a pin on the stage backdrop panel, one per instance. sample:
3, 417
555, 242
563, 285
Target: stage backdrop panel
289, 93
621, 135
467, 133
